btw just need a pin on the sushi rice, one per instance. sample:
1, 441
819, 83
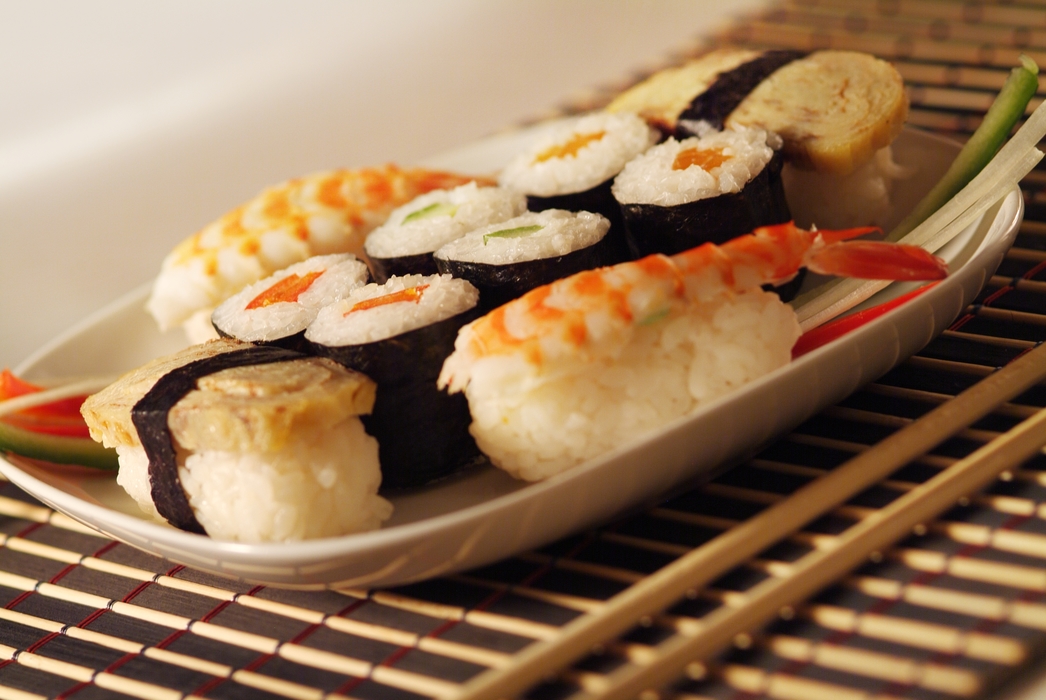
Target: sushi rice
269, 452
346, 323
655, 178
535, 421
436, 218
531, 236
249, 316
302, 491
579, 154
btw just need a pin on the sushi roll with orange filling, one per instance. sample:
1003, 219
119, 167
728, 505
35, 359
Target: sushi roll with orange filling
572, 166
276, 310
318, 214
398, 334
706, 188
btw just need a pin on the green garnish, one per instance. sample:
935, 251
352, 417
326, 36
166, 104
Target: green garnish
518, 232
1007, 108
437, 209
56, 448
655, 317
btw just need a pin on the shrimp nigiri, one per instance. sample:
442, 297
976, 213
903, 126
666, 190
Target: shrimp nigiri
580, 366
324, 213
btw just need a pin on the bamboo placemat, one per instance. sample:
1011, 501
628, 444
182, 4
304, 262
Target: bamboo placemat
952, 610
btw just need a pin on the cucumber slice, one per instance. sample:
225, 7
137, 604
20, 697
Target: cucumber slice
518, 232
437, 209
1007, 108
54, 448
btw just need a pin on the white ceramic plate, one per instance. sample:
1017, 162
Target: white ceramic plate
484, 515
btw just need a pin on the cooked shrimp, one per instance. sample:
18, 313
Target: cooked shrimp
329, 212
575, 315
774, 254
586, 364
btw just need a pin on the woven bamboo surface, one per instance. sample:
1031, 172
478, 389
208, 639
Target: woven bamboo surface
951, 611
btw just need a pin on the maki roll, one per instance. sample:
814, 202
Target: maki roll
399, 334
318, 214
246, 443
405, 243
276, 310
506, 260
707, 188
572, 166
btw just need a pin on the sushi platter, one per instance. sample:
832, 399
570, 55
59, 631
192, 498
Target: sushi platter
483, 514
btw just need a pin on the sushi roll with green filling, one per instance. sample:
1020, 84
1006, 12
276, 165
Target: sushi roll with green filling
405, 243
276, 310
245, 443
398, 334
573, 165
707, 188
506, 260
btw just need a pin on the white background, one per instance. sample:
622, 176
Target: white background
126, 126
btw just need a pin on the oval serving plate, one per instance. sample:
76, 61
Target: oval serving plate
485, 515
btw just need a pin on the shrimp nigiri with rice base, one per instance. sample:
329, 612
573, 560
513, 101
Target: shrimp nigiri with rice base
320, 214
581, 366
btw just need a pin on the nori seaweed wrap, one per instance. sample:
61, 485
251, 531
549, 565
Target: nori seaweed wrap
277, 309
573, 166
507, 260
399, 334
405, 243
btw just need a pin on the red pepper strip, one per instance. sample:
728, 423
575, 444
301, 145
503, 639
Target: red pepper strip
65, 427
11, 386
60, 417
822, 335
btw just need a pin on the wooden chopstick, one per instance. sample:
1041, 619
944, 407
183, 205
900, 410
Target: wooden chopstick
732, 548
822, 567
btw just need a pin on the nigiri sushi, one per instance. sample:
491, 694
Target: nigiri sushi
581, 366
245, 443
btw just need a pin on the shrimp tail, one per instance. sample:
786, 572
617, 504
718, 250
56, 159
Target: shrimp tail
876, 260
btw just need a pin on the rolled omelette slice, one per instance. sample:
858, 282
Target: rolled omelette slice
833, 109
246, 443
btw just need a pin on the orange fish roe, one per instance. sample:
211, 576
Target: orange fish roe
570, 148
704, 158
287, 289
412, 294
